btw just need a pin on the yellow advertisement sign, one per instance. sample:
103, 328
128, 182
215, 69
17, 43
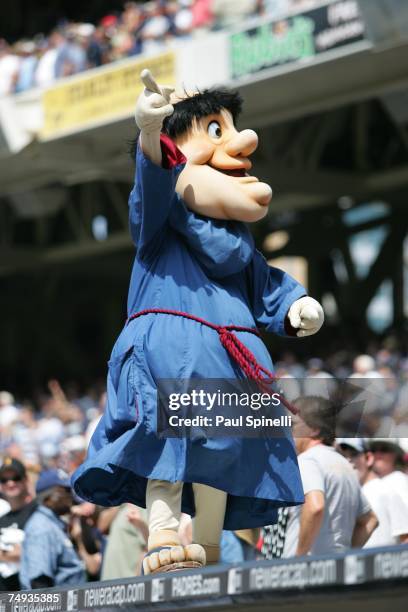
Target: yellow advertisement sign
105, 95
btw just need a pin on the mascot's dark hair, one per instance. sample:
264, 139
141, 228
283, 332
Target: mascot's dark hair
197, 106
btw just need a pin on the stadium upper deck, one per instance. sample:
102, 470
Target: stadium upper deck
325, 89
311, 62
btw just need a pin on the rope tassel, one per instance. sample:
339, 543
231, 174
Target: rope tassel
248, 363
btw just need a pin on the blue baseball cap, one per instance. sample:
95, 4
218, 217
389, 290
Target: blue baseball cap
52, 478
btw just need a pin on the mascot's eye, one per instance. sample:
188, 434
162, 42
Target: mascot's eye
214, 130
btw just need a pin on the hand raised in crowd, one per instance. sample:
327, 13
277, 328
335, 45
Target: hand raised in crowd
62, 407
134, 516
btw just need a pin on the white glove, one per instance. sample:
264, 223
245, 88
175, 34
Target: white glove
153, 104
307, 315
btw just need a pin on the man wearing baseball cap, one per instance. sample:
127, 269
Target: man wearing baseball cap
15, 490
335, 515
387, 503
389, 462
49, 558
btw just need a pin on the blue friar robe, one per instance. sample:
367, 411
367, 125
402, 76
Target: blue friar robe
210, 269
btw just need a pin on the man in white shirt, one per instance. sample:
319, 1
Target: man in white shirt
8, 412
4, 507
389, 463
388, 505
9, 67
335, 515
45, 73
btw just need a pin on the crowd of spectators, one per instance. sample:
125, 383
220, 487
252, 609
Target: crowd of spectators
44, 440
141, 27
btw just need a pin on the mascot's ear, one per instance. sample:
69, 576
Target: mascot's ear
197, 151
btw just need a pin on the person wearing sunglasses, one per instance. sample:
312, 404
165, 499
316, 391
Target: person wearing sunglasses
15, 489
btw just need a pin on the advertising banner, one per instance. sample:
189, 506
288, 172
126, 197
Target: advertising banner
298, 38
103, 95
224, 585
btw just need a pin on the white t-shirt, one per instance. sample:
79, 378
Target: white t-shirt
9, 66
45, 72
391, 511
8, 414
4, 507
322, 468
156, 26
9, 536
398, 482
184, 19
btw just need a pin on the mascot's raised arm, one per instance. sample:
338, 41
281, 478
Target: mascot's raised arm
199, 292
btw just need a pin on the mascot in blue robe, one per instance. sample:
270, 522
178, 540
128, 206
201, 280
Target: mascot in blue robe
199, 292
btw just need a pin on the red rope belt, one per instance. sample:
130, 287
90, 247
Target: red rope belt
235, 348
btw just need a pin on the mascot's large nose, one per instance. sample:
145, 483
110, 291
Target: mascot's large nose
242, 144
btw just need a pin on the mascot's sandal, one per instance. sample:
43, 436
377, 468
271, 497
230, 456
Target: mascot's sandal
173, 556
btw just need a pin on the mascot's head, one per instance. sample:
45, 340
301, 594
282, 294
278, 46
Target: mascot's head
216, 181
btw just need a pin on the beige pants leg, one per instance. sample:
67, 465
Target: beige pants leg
209, 519
163, 503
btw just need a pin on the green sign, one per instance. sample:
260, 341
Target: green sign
295, 38
254, 50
